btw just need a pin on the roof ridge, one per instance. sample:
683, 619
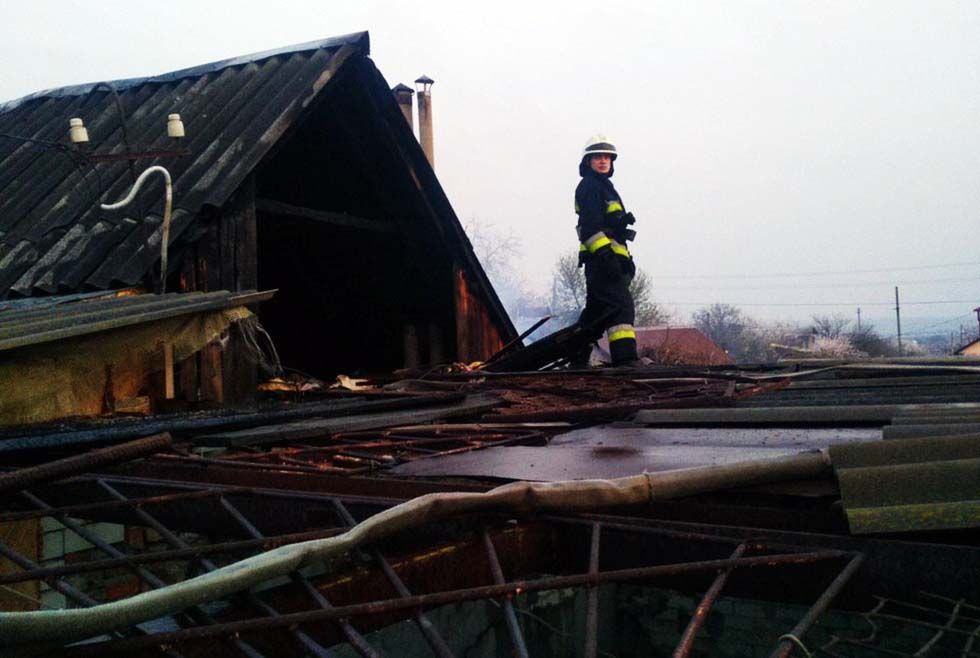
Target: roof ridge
362, 40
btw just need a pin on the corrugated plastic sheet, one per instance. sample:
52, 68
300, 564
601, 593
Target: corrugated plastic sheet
53, 237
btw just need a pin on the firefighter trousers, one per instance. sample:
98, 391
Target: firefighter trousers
608, 299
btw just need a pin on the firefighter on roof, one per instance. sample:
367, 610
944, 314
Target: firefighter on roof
603, 231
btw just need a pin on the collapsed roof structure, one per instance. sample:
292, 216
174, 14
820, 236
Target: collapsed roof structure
800, 508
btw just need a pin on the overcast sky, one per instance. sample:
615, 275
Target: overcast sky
757, 138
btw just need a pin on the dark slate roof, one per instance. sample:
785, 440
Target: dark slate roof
53, 237
57, 318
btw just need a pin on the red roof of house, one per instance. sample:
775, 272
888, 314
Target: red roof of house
677, 345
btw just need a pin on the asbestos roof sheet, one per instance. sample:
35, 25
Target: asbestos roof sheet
53, 236
910, 484
56, 321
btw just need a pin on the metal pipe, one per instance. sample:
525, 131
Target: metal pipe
353, 636
429, 632
69, 592
88, 508
534, 327
424, 98
453, 596
701, 612
592, 603
167, 202
196, 613
786, 644
60, 468
513, 628
403, 95
179, 544
266, 543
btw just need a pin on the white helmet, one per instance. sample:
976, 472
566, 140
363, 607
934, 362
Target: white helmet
599, 144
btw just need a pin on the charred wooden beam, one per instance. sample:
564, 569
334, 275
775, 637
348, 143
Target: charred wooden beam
239, 271
325, 216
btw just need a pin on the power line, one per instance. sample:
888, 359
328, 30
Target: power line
822, 285
815, 304
773, 275
932, 327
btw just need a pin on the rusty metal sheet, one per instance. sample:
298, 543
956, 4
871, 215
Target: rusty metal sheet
555, 463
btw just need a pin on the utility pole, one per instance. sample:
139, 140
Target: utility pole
898, 321
859, 318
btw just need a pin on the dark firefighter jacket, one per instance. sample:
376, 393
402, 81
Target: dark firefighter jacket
603, 223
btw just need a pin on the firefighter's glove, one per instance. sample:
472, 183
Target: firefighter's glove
629, 219
629, 234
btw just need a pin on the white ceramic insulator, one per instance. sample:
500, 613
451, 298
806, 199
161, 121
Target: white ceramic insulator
175, 127
77, 132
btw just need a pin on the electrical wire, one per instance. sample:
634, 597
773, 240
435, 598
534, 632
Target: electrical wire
82, 164
793, 286
772, 275
928, 329
817, 304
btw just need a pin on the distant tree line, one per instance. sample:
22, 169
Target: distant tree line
746, 339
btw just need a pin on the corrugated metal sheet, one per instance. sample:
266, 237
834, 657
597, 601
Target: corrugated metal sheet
55, 321
53, 237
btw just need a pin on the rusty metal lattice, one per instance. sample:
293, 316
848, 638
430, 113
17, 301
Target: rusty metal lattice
247, 520
362, 452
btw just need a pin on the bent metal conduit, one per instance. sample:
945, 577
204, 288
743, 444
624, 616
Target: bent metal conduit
167, 203
51, 627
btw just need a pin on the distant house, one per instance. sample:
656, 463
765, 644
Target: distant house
674, 345
299, 174
970, 349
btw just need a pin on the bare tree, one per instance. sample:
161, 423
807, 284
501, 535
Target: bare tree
829, 326
648, 312
869, 341
722, 323
496, 249
498, 252
568, 294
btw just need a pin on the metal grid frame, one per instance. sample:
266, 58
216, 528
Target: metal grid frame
352, 453
149, 509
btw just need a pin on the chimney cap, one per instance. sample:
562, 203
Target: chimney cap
402, 89
424, 80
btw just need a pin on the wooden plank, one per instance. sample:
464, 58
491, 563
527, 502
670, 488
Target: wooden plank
188, 383
325, 217
318, 427
168, 370
239, 374
246, 264
461, 303
209, 278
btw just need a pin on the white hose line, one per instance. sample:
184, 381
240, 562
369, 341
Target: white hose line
168, 201
70, 625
